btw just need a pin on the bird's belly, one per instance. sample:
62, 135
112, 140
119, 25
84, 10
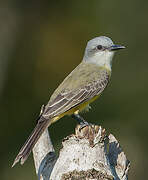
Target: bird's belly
80, 107
75, 109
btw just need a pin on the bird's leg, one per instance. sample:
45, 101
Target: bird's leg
80, 120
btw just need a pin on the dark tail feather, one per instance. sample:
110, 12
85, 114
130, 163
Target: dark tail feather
31, 141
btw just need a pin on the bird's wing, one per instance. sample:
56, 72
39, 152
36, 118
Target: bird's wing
67, 99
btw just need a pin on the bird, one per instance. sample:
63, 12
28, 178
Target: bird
80, 88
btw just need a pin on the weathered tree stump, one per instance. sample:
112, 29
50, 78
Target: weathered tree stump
87, 154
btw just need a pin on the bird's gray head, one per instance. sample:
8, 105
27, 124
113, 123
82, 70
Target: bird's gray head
100, 51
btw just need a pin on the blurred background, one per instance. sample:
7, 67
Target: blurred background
41, 42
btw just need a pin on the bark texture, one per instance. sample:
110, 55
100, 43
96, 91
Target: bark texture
89, 154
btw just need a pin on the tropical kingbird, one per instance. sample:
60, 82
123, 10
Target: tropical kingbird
80, 88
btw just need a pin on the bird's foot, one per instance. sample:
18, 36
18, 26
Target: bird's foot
84, 124
81, 121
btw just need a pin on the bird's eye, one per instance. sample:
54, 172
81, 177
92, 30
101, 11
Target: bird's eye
99, 47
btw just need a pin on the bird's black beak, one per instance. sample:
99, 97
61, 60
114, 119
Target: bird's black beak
116, 47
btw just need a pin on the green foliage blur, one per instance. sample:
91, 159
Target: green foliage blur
41, 42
